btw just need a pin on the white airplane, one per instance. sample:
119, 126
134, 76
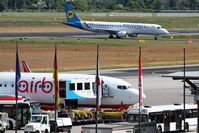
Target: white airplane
120, 29
116, 93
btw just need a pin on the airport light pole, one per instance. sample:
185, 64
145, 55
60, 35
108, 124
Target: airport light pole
97, 81
198, 112
184, 111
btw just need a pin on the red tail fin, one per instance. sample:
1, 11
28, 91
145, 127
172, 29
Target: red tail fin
25, 67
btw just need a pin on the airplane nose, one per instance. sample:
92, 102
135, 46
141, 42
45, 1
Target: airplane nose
165, 31
136, 92
143, 95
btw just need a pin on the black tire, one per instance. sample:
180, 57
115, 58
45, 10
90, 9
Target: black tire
46, 131
69, 131
186, 127
159, 129
37, 132
10, 126
111, 36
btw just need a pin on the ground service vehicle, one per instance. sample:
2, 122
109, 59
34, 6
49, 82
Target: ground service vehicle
63, 125
2, 129
25, 109
38, 124
167, 117
42, 123
3, 122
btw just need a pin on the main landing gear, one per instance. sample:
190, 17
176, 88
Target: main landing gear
111, 36
155, 38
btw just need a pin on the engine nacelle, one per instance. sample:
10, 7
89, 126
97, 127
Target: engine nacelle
133, 35
121, 34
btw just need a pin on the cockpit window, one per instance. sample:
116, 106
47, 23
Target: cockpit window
122, 87
158, 27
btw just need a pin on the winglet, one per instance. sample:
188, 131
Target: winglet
26, 67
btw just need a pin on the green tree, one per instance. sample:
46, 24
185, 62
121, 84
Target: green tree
157, 4
2, 6
193, 4
172, 4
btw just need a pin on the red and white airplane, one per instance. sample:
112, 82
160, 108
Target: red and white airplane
116, 93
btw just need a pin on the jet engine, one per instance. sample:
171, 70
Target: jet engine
121, 34
133, 35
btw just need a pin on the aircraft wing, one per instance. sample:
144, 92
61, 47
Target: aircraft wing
110, 31
194, 75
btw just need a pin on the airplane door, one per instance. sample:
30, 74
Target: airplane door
105, 90
62, 89
166, 121
178, 119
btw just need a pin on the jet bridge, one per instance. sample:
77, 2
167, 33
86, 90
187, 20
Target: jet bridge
188, 77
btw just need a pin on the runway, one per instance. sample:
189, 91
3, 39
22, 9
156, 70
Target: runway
75, 34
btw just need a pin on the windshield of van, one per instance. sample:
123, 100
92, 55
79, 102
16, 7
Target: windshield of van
36, 119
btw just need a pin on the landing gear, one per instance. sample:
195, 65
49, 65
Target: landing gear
118, 37
155, 38
111, 36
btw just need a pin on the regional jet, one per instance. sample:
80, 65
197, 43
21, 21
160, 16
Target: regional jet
119, 29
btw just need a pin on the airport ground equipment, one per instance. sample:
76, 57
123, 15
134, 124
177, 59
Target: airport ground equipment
167, 117
43, 123
2, 129
63, 125
38, 124
25, 110
3, 122
121, 127
113, 115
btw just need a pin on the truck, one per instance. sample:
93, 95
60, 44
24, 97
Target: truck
38, 124
42, 123
63, 125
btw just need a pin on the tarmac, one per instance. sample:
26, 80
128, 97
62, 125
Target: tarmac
158, 90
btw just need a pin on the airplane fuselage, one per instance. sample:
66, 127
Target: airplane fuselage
118, 28
40, 87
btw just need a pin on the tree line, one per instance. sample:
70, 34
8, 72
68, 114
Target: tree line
100, 5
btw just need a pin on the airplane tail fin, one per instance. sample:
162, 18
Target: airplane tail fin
71, 16
26, 68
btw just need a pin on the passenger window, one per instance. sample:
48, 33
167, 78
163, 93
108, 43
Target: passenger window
124, 88
79, 86
12, 85
72, 86
0, 85
87, 86
119, 87
5, 85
